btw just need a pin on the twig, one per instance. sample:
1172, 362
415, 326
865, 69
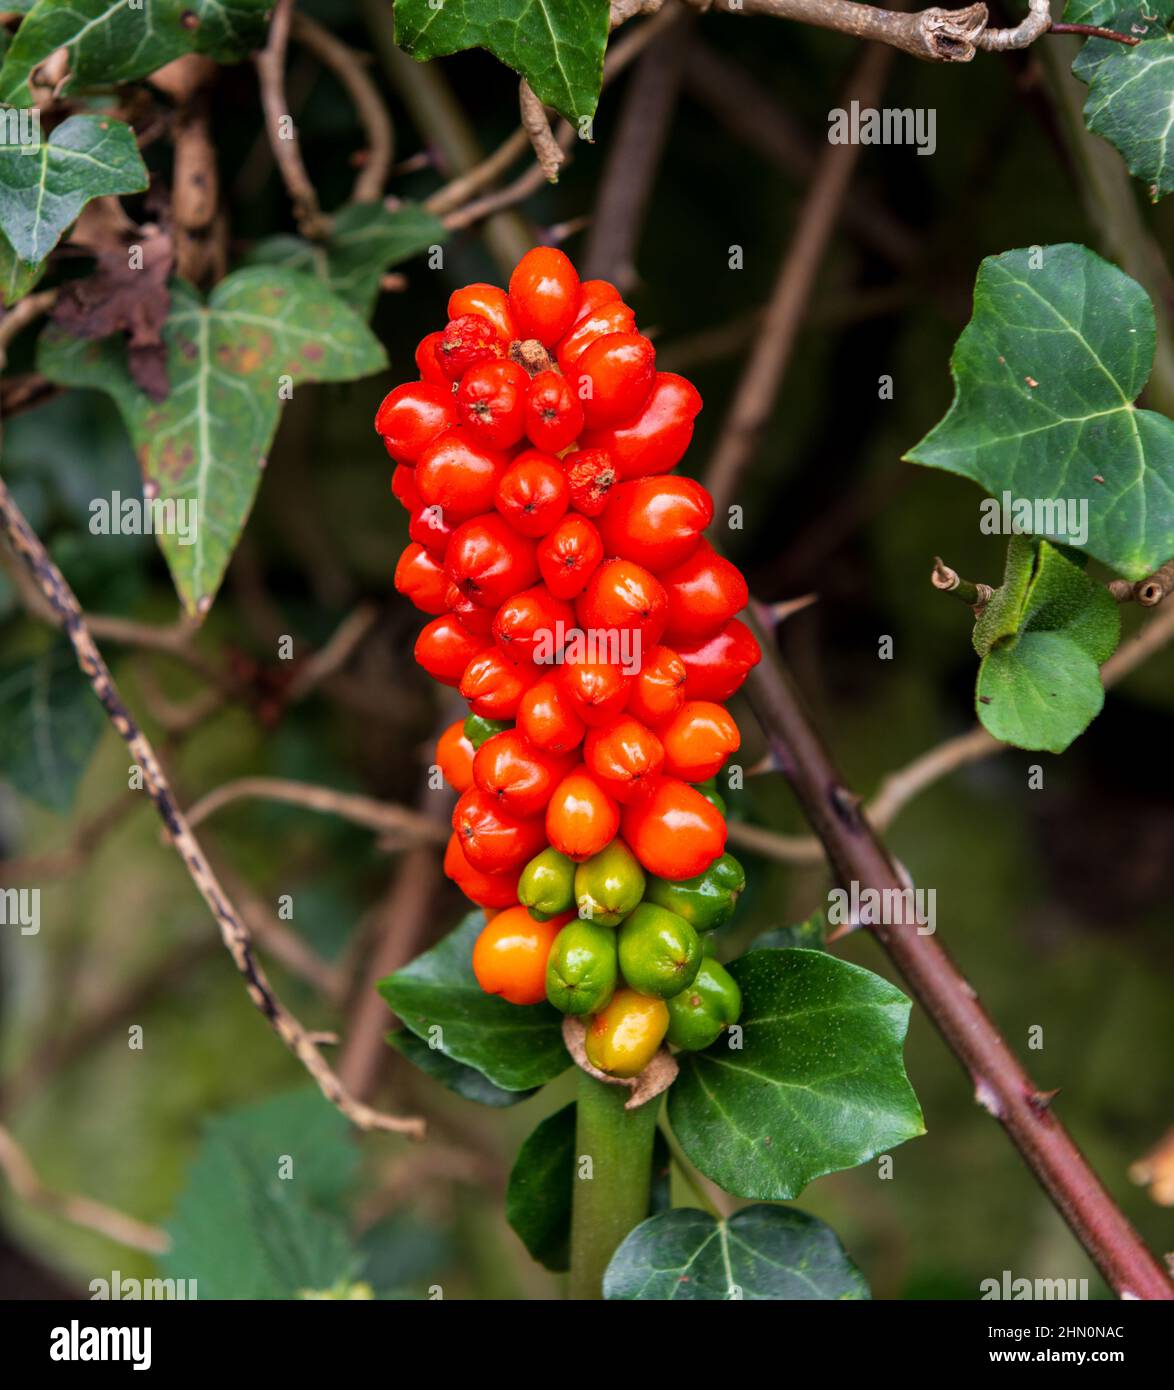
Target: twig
283, 140
1001, 1085
633, 158
755, 397
948, 581
347, 66
234, 933
1148, 592
536, 124
1094, 31
461, 189
85, 839
341, 646
80, 1211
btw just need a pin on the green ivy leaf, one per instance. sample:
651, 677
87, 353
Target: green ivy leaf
817, 1086
17, 277
1039, 687
43, 190
517, 1048
1131, 88
540, 1190
365, 240
262, 1212
208, 441
809, 934
112, 41
1084, 333
50, 724
466, 1082
556, 45
759, 1253
1003, 614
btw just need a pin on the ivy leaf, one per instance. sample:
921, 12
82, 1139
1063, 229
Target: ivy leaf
1131, 87
1003, 613
43, 189
17, 277
262, 1212
809, 934
207, 442
365, 240
50, 724
1040, 686
113, 41
438, 998
759, 1253
540, 1190
1083, 332
465, 1082
818, 1084
556, 45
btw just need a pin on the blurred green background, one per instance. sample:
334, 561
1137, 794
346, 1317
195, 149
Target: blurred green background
1055, 902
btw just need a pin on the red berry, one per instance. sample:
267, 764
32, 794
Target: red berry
622, 595
544, 294
553, 414
593, 293
428, 362
493, 685
704, 593
488, 561
459, 474
716, 666
655, 440
490, 302
445, 647
477, 619
569, 555
591, 475
492, 838
657, 521
598, 690
613, 317
659, 690
491, 399
420, 577
698, 739
532, 494
468, 340
528, 625
429, 529
626, 758
403, 487
520, 776
412, 416
486, 890
547, 717
674, 831
614, 376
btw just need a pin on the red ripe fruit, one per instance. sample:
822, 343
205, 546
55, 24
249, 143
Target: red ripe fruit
412, 416
553, 416
494, 840
428, 362
532, 494
465, 342
403, 487
624, 596
528, 626
598, 690
547, 717
420, 577
544, 295
591, 476
626, 757
490, 302
445, 647
459, 474
656, 521
519, 776
491, 398
674, 831
581, 818
429, 529
716, 666
569, 555
477, 619
593, 293
488, 561
614, 376
454, 756
698, 739
493, 685
486, 890
659, 690
655, 440
704, 593
612, 317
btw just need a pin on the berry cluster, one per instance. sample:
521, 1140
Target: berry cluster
591, 628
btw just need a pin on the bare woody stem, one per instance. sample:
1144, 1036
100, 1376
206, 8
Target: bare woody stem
1001, 1086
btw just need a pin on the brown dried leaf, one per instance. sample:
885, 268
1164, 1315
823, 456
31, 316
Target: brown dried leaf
656, 1077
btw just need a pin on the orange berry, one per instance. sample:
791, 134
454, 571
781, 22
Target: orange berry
581, 818
674, 832
698, 739
454, 757
510, 956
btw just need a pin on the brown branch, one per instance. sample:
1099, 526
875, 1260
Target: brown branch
536, 124
287, 154
347, 66
233, 930
409, 827
334, 655
758, 388
948, 581
80, 1211
1093, 31
1001, 1085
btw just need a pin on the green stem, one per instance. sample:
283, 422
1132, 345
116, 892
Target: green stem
614, 1198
